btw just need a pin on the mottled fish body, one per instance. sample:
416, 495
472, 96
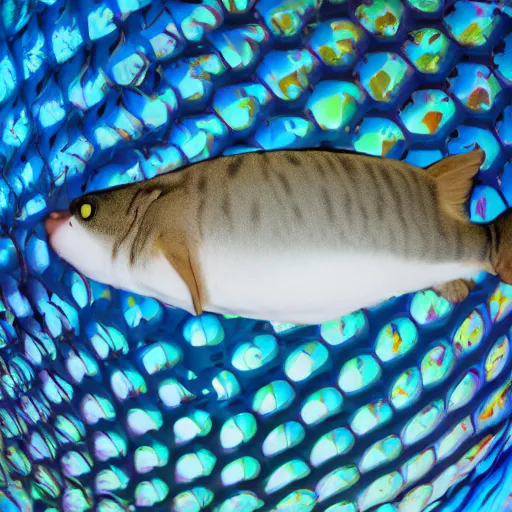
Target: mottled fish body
290, 236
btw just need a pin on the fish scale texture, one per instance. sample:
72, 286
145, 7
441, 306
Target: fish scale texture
111, 402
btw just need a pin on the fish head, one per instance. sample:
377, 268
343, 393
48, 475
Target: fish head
501, 246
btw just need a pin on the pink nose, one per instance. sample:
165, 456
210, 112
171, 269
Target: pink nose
55, 220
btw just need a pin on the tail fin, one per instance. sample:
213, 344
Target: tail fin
454, 179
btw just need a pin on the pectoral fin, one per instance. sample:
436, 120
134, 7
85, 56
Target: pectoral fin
454, 179
180, 259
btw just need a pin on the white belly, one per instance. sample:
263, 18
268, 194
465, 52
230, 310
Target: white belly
299, 289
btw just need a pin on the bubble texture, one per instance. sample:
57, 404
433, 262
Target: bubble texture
113, 402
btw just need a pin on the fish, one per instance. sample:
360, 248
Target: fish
296, 236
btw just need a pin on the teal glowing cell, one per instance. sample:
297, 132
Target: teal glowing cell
46, 485
305, 361
343, 506
42, 445
287, 73
197, 424
464, 391
466, 136
486, 204
95, 408
203, 331
285, 132
379, 137
337, 42
240, 47
380, 17
140, 422
109, 445
338, 480
359, 373
112, 479
241, 106
76, 464
66, 38
333, 103
423, 423
428, 6
286, 18
495, 408
437, 364
226, 386
417, 499
497, 358
418, 466
429, 112
320, 405
427, 49
380, 453
243, 500
127, 383
238, 6
100, 22
106, 341
273, 398
371, 417
475, 86
454, 438
396, 339
348, 328
194, 465
469, 335
17, 461
383, 75
336, 442
172, 393
150, 493
302, 500
286, 474
428, 308
240, 470
8, 79
503, 60
238, 430
471, 24
282, 438
386, 488
254, 354
148, 458
500, 302
193, 500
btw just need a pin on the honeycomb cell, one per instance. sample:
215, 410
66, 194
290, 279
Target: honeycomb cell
302, 500
486, 204
320, 405
500, 302
286, 474
286, 19
454, 438
343, 506
196, 20
495, 408
429, 309
471, 24
240, 470
427, 6
238, 430
437, 364
273, 398
285, 132
475, 86
380, 453
383, 75
427, 49
195, 499
160, 356
333, 104
359, 373
429, 112
503, 60
338, 480
469, 334
243, 500
464, 391
305, 361
371, 417
379, 137
254, 354
337, 43
282, 438
203, 331
418, 466
288, 73
384, 489
194, 465
497, 358
226, 386
380, 17
348, 328
150, 493
423, 423
396, 339
198, 423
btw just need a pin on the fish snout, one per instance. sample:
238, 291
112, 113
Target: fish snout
55, 220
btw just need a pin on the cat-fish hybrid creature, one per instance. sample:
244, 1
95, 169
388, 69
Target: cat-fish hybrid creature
299, 236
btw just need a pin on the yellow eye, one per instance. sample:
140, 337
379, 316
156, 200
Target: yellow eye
86, 211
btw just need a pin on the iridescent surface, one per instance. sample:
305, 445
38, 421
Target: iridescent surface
113, 402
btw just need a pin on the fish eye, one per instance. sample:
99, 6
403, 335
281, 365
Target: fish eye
86, 210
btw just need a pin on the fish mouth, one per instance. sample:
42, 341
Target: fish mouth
55, 221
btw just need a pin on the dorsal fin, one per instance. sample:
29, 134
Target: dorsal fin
454, 179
